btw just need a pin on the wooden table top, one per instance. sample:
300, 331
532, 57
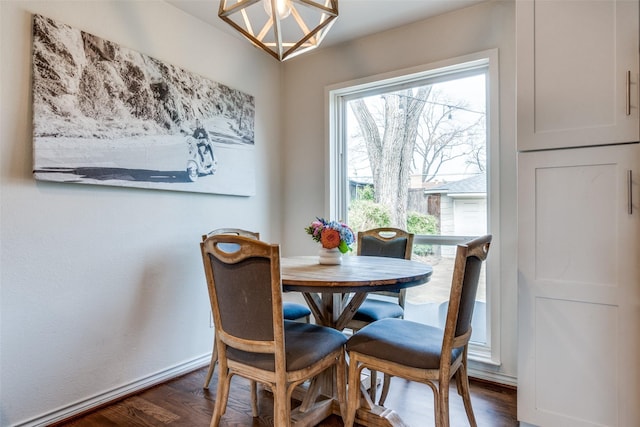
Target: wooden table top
355, 274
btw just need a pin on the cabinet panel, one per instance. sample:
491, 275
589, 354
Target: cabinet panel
579, 286
557, 366
569, 201
574, 59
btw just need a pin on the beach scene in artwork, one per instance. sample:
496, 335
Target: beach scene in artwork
107, 115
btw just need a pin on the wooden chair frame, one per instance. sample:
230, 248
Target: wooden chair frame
448, 368
214, 353
234, 232
384, 234
280, 381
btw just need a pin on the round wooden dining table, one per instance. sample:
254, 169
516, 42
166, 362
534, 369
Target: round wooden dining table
334, 293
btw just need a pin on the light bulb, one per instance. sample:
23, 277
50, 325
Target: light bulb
282, 6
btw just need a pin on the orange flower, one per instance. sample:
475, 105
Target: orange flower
330, 238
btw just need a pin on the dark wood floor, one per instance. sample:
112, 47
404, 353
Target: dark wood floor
183, 402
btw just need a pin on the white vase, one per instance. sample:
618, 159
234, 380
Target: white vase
329, 256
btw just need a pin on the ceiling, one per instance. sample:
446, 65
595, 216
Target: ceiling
357, 18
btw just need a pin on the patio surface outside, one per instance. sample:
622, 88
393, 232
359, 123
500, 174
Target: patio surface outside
427, 303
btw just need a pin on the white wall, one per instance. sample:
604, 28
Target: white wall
102, 288
478, 28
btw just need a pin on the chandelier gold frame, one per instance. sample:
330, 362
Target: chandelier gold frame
282, 35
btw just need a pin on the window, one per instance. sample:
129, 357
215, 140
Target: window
415, 150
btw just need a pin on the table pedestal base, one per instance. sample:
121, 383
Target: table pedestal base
379, 416
312, 416
368, 414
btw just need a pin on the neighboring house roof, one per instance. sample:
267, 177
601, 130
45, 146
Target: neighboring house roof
473, 185
361, 181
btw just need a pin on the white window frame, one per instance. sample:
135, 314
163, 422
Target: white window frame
336, 97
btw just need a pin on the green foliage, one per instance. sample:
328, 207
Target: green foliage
366, 214
366, 193
418, 223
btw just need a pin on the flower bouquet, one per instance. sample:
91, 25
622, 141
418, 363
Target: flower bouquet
331, 234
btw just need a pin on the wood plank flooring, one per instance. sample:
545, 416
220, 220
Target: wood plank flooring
183, 402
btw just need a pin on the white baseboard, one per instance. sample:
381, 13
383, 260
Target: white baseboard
493, 376
112, 395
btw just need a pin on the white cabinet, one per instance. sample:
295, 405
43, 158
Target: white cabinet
578, 213
579, 287
577, 73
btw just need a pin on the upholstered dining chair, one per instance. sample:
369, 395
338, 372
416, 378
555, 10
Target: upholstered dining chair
253, 338
423, 353
386, 242
291, 310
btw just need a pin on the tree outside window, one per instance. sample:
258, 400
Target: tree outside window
416, 160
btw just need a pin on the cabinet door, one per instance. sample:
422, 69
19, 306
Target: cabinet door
573, 62
579, 287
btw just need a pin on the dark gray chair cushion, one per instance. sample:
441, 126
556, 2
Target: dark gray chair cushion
373, 309
401, 341
305, 345
294, 311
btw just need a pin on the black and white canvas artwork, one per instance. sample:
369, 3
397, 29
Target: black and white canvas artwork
107, 115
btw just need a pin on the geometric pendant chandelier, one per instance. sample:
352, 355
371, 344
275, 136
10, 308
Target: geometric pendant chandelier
282, 28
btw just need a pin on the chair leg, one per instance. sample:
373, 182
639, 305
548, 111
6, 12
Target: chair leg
459, 384
386, 382
212, 365
463, 383
224, 380
353, 393
442, 413
373, 379
254, 399
281, 406
436, 402
341, 382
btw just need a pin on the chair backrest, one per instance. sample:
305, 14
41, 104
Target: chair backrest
464, 286
233, 231
243, 278
386, 242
